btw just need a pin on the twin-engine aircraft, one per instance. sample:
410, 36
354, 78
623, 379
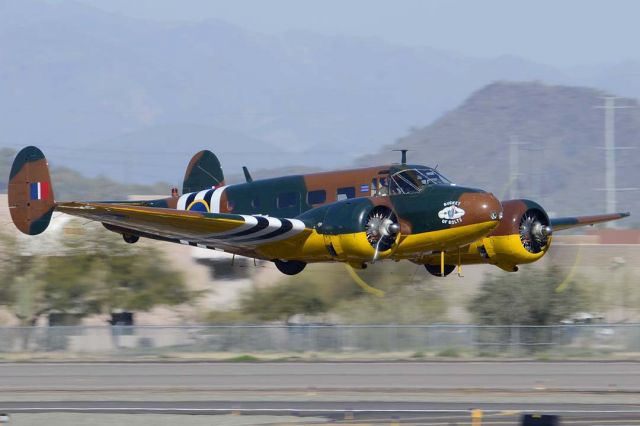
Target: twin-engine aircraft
358, 216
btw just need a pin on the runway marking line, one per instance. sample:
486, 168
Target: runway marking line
508, 413
310, 410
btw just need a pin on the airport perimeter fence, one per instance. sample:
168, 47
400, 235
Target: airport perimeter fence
602, 340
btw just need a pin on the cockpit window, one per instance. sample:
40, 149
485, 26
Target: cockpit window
414, 180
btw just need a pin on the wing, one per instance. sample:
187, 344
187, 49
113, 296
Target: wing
562, 223
242, 234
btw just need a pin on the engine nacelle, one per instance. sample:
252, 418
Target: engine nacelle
355, 230
523, 236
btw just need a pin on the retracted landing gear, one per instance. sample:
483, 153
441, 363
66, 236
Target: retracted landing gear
435, 270
290, 267
130, 238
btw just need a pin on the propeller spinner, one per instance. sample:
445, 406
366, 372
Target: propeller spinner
381, 228
534, 233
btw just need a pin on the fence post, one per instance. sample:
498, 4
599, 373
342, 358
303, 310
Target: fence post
472, 339
427, 338
516, 349
393, 341
555, 339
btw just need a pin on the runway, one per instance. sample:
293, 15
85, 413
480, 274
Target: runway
426, 393
425, 376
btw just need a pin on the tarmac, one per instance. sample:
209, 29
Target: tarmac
412, 376
318, 393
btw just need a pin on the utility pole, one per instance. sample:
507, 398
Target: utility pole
514, 167
535, 155
610, 148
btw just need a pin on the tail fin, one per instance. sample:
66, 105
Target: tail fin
203, 172
30, 192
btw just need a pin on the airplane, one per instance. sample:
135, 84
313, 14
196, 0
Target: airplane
357, 216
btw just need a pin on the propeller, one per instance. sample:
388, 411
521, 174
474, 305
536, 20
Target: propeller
381, 229
534, 231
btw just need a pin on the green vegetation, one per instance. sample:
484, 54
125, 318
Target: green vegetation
330, 295
309, 294
6, 158
421, 303
229, 317
243, 358
94, 272
531, 297
71, 185
449, 353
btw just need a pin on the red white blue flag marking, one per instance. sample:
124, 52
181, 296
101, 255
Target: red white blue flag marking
39, 190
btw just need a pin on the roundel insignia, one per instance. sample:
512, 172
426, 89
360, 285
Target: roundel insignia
199, 206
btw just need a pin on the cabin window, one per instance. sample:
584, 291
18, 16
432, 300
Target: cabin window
344, 193
409, 181
381, 188
230, 205
316, 197
287, 199
255, 203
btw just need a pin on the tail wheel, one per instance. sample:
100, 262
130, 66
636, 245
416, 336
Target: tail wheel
534, 231
290, 267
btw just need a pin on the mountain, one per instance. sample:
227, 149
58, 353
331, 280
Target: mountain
73, 76
70, 185
560, 157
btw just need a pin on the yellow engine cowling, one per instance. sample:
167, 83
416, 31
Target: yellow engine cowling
353, 247
508, 246
507, 252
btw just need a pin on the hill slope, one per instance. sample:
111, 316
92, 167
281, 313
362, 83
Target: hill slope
70, 185
561, 161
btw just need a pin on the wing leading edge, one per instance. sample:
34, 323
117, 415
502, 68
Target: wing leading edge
219, 230
562, 223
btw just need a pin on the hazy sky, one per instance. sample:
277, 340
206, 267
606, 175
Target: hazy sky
556, 32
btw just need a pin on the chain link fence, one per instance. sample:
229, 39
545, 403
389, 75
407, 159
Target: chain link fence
433, 340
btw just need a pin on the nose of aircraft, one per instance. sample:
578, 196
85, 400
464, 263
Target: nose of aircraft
480, 207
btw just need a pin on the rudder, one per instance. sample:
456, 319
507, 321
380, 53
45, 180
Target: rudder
203, 172
31, 201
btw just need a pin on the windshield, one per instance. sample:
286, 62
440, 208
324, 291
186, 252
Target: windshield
414, 180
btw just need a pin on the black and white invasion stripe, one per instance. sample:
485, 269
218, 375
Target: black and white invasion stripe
254, 231
258, 230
